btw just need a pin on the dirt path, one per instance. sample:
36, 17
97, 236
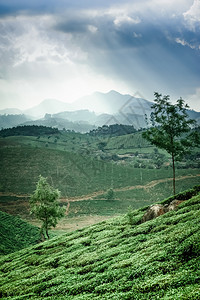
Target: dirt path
69, 224
127, 188
154, 183
14, 195
123, 189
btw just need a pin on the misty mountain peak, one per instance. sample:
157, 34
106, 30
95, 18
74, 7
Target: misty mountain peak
50, 106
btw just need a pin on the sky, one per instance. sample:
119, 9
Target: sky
66, 49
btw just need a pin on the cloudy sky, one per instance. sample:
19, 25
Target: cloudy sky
70, 48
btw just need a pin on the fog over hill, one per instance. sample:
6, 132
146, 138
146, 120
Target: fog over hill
50, 106
11, 111
94, 110
110, 103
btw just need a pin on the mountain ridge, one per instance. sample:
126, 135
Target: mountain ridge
94, 110
98, 102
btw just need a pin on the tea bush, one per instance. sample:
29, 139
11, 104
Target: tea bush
158, 259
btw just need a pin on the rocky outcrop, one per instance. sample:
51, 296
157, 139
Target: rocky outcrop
173, 205
153, 212
157, 210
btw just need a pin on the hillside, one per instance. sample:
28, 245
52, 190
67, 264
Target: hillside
83, 171
15, 234
57, 122
48, 106
28, 131
68, 166
11, 120
117, 259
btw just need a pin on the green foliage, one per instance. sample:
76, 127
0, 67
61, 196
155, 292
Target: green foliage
44, 205
110, 194
102, 145
72, 173
73, 163
133, 216
15, 234
169, 123
28, 130
128, 142
185, 195
171, 129
113, 130
158, 259
189, 248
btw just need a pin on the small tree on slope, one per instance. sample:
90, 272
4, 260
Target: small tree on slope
110, 194
171, 129
44, 205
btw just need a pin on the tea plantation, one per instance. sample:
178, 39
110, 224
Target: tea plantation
23, 159
121, 258
15, 234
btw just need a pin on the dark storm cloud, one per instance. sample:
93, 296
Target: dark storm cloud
73, 25
142, 43
15, 7
132, 46
156, 44
146, 31
25, 7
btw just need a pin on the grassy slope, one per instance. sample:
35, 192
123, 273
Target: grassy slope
135, 198
15, 234
131, 141
72, 173
158, 259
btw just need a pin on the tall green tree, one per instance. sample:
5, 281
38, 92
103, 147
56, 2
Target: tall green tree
171, 129
45, 206
110, 194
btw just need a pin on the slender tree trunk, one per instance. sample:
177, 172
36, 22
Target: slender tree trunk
47, 233
46, 225
42, 237
173, 166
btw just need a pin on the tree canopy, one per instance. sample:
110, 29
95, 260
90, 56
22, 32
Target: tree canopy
113, 130
171, 128
44, 205
28, 130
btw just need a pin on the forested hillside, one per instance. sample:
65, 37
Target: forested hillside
31, 130
113, 130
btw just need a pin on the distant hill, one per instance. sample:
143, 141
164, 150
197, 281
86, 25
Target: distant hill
112, 130
11, 111
98, 102
87, 112
59, 123
194, 115
83, 115
31, 130
15, 234
50, 106
112, 103
121, 258
8, 121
